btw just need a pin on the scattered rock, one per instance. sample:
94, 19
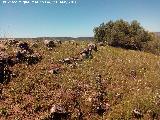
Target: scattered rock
54, 70
58, 112
50, 44
92, 46
137, 114
100, 110
23, 46
101, 44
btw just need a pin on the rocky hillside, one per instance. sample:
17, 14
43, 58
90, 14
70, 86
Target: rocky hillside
114, 84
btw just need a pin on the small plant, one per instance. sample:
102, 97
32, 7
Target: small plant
3, 112
37, 107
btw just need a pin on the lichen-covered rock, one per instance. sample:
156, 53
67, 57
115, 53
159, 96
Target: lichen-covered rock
58, 112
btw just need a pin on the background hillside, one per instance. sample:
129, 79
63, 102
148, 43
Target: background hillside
157, 33
54, 38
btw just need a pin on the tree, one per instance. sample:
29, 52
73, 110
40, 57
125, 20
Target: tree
122, 34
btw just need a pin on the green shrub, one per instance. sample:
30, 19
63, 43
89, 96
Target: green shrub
153, 46
122, 34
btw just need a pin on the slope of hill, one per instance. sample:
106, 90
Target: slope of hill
157, 33
130, 83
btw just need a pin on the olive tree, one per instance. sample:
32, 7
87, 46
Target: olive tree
122, 34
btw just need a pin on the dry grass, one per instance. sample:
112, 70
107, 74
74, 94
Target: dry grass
131, 80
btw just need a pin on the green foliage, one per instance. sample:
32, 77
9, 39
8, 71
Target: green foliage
122, 34
3, 112
153, 46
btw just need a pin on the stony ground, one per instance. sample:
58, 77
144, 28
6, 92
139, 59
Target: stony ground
130, 83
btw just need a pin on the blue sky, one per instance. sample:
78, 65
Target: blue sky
76, 19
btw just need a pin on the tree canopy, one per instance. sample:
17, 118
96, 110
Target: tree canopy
122, 34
